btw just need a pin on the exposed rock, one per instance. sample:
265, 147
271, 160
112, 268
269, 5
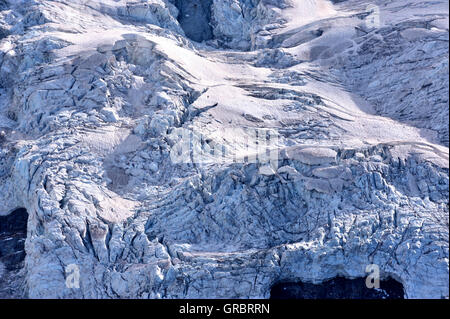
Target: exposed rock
13, 231
195, 18
339, 288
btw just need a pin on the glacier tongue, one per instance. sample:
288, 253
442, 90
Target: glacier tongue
317, 145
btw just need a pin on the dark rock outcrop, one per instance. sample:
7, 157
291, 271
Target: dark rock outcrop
13, 231
194, 18
338, 288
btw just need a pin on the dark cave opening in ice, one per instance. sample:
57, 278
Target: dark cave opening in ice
194, 17
13, 232
338, 288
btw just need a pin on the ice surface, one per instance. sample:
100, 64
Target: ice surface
317, 144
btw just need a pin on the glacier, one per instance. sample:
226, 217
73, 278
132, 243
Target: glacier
95, 96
